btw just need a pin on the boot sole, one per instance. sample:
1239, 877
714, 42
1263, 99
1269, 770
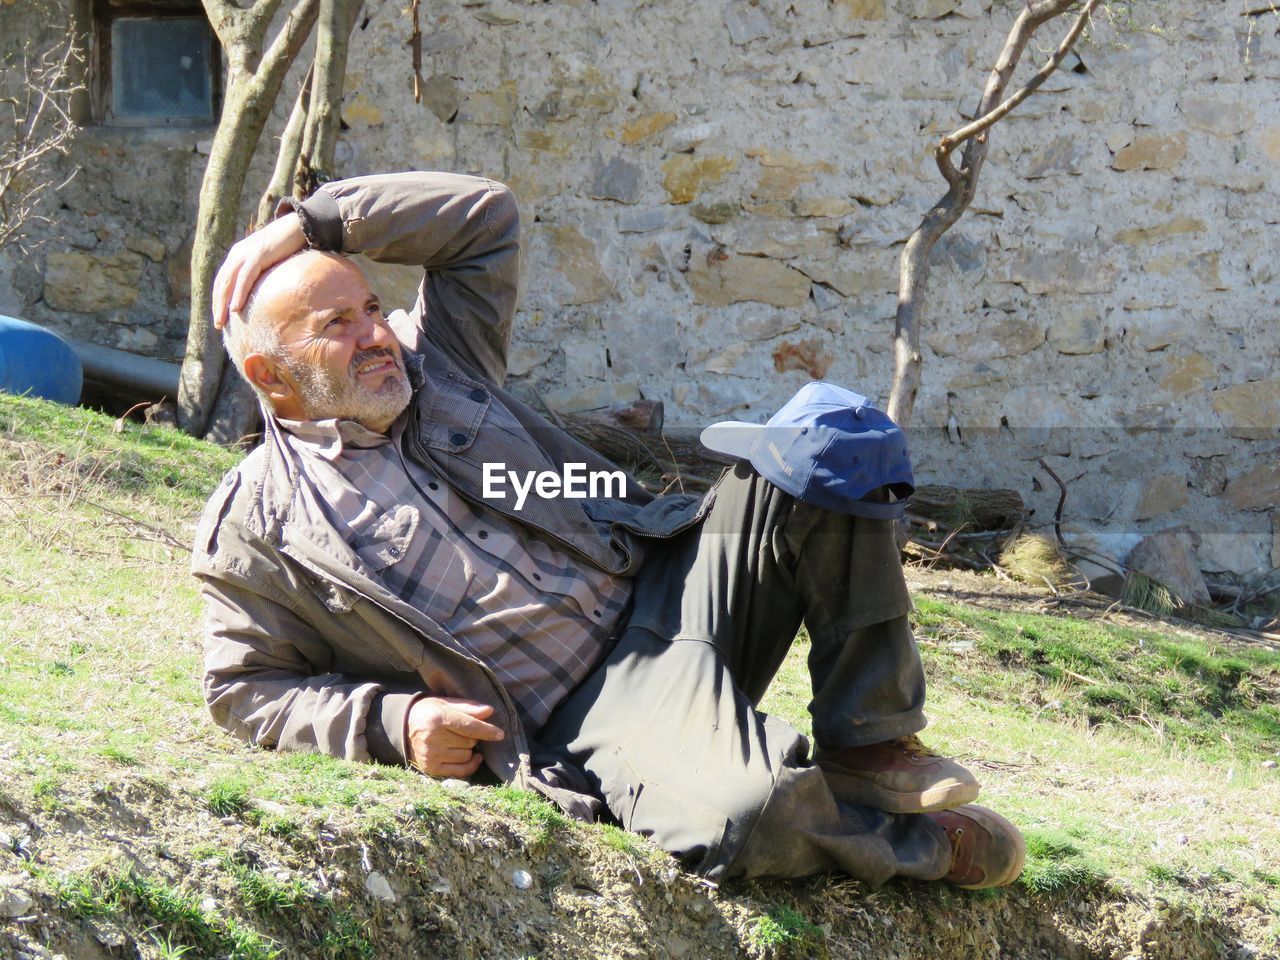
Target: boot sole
942, 796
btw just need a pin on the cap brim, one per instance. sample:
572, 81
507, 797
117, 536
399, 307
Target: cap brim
732, 437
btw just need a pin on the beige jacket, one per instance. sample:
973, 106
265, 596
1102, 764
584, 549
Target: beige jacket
305, 650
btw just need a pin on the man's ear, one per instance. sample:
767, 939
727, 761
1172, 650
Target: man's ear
266, 373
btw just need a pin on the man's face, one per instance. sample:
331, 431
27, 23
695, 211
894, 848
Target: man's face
342, 357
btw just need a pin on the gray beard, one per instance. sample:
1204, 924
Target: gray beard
327, 397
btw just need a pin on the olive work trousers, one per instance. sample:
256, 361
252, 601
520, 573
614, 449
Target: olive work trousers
666, 728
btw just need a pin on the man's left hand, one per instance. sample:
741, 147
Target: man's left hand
249, 259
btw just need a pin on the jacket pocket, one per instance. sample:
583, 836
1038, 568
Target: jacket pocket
387, 539
416, 562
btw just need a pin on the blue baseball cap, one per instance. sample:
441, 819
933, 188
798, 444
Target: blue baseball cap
827, 446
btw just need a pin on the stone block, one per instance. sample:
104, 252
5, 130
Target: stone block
524, 358
574, 256
1061, 155
90, 283
1218, 117
1005, 338
1209, 475
687, 175
495, 108
1270, 141
1205, 267
501, 15
1189, 374
737, 279
1152, 152
687, 139
1178, 226
644, 127
642, 221
1077, 331
1249, 410
929, 9
178, 273
361, 111
538, 142
768, 326
976, 377
1244, 553
849, 278
1169, 558
615, 179
151, 248
822, 207
1157, 330
441, 95
585, 358
1060, 271
1259, 489
727, 360
773, 237
784, 173
964, 253
597, 397
715, 213
576, 91
807, 355
746, 23
1163, 493
825, 298
862, 9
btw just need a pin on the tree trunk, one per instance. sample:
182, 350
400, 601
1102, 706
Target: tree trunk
290, 149
324, 117
254, 81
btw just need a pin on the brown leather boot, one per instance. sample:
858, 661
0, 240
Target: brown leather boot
899, 776
986, 849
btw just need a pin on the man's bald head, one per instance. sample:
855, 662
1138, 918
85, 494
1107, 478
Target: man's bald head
313, 343
258, 327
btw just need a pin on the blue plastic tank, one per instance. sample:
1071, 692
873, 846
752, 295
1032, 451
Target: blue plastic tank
38, 362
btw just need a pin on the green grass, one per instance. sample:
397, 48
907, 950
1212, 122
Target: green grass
1055, 864
625, 842
542, 818
1222, 701
267, 895
125, 894
1152, 771
783, 930
227, 797
1130, 756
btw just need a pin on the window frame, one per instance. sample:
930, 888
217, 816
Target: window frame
101, 14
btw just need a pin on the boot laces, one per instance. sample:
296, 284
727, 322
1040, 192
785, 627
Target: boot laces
912, 747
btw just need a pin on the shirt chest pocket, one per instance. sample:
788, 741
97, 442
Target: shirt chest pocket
415, 561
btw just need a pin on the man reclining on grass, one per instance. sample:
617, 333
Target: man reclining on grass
367, 599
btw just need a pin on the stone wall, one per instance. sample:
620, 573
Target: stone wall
715, 196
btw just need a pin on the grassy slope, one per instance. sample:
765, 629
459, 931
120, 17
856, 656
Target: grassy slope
1132, 757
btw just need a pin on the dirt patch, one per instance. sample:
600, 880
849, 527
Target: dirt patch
131, 867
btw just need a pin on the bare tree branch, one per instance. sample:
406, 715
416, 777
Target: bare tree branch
35, 129
962, 185
952, 140
287, 154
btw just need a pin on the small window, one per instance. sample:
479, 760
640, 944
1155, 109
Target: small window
158, 63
